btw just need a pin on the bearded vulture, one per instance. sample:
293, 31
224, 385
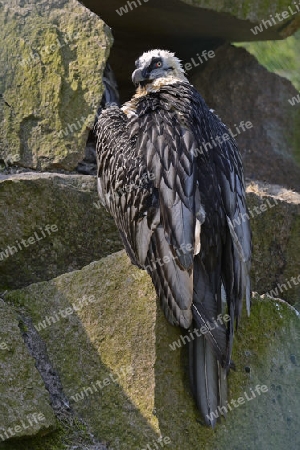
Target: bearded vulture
170, 174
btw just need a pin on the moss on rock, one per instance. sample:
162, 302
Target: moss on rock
275, 227
53, 56
84, 231
246, 10
113, 354
25, 403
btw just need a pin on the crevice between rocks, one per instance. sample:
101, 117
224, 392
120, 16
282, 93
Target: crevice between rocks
59, 402
88, 166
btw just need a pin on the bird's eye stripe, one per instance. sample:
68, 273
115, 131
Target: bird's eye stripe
154, 63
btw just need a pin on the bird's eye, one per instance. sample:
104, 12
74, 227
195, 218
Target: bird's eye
158, 64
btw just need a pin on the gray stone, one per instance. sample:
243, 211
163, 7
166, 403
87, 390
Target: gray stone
86, 232
275, 221
112, 351
187, 27
52, 56
253, 11
25, 404
239, 89
30, 250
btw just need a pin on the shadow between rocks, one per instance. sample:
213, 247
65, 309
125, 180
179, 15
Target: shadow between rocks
266, 352
101, 381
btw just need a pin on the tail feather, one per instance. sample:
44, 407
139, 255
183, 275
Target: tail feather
209, 358
208, 380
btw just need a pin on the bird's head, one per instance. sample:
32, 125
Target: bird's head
157, 66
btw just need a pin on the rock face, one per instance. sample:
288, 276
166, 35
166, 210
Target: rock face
87, 359
185, 26
25, 403
240, 89
128, 382
52, 59
254, 11
275, 222
51, 224
84, 232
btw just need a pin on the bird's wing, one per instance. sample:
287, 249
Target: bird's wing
224, 261
223, 180
168, 143
162, 219
124, 187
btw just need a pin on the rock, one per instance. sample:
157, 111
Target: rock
199, 16
51, 224
85, 232
52, 59
275, 223
25, 404
243, 90
253, 11
70, 428
187, 27
88, 166
112, 347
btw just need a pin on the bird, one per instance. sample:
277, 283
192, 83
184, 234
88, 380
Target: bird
170, 173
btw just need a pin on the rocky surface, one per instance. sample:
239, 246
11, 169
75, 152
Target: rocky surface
85, 232
185, 26
33, 403
50, 224
275, 221
90, 352
110, 344
240, 89
52, 56
25, 403
254, 11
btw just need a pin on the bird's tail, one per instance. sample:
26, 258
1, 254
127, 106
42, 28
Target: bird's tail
208, 353
208, 380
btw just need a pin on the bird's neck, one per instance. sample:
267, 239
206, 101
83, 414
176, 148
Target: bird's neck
129, 108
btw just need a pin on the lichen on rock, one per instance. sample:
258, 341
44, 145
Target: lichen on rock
25, 404
52, 60
116, 363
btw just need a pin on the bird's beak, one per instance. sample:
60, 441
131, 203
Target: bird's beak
138, 77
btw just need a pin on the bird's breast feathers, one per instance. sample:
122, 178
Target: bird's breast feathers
129, 108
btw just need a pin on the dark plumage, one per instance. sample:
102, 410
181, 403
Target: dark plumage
171, 195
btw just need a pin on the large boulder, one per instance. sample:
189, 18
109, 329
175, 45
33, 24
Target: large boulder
241, 90
51, 224
254, 12
275, 221
84, 232
52, 58
124, 375
32, 402
25, 403
185, 26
